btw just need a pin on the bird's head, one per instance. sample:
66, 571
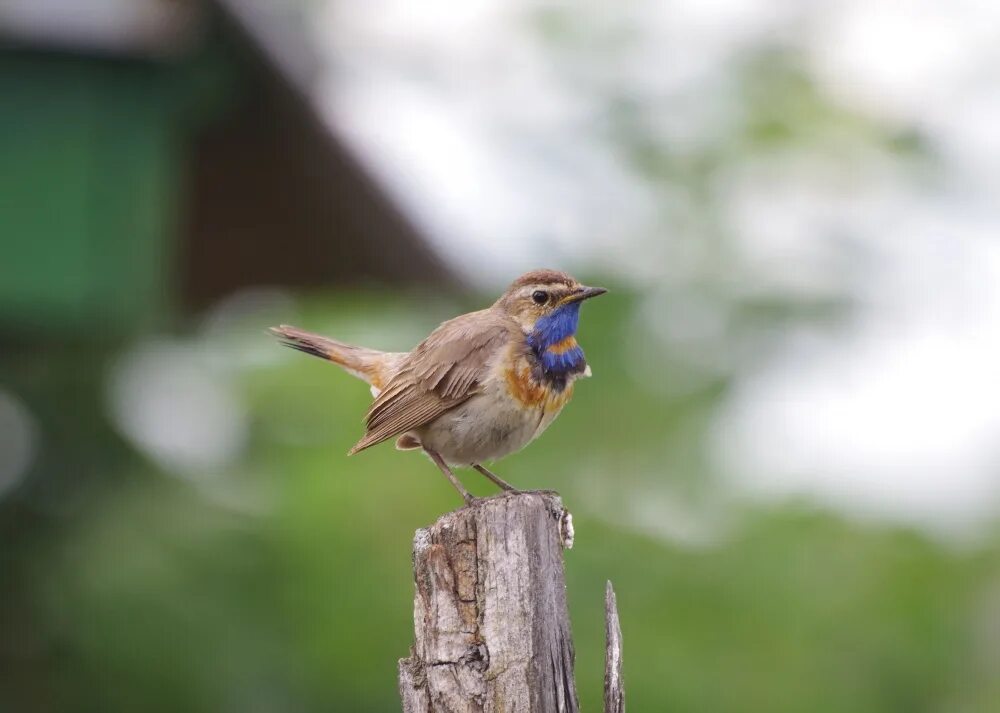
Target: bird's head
546, 303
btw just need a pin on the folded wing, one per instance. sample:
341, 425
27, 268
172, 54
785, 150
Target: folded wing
443, 371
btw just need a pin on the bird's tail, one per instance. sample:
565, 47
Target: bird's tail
370, 365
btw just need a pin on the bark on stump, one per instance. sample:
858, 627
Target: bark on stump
491, 625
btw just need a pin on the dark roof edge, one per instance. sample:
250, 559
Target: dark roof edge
291, 62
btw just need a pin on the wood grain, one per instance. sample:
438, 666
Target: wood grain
614, 688
492, 632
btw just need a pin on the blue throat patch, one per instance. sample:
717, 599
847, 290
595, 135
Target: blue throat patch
552, 329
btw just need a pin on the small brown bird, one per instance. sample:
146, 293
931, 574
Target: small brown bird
482, 386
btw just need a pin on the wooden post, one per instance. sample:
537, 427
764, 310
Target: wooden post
490, 619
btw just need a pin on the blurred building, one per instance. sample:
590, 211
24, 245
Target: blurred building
158, 154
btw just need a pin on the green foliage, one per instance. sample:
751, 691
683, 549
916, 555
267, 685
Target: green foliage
284, 583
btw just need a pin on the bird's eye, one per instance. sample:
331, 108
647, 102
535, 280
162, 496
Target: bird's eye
540, 297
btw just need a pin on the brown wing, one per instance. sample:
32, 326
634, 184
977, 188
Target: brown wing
440, 373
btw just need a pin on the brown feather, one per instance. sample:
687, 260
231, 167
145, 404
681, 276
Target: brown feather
369, 364
440, 373
542, 277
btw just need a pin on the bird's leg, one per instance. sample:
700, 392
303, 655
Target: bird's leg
504, 485
468, 497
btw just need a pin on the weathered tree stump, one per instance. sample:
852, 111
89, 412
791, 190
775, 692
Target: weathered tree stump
491, 625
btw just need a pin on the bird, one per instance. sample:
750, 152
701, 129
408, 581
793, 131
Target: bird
481, 386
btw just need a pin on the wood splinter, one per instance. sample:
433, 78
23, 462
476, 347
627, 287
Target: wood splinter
614, 689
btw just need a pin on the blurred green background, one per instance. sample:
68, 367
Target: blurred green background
282, 580
180, 528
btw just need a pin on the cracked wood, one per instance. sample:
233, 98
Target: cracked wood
491, 627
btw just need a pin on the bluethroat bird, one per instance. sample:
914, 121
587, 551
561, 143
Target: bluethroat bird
482, 386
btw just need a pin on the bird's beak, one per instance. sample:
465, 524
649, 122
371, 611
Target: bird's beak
584, 293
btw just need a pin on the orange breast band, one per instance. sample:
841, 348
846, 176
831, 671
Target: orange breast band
563, 346
525, 389
531, 394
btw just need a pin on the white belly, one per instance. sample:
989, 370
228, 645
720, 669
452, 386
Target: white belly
488, 426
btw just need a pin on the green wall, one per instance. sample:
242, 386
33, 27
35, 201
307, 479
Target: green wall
91, 151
